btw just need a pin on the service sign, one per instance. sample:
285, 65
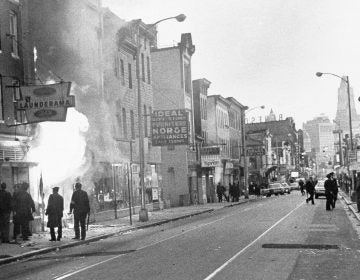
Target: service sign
45, 102
169, 127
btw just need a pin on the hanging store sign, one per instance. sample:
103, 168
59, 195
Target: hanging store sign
169, 127
45, 102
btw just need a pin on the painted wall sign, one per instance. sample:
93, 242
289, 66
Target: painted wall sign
45, 102
170, 127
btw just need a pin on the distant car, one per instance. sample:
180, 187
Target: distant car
286, 187
276, 189
265, 192
319, 188
294, 186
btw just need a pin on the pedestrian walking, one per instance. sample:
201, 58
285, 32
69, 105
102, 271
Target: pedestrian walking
5, 211
54, 211
310, 189
24, 208
81, 207
302, 187
329, 187
219, 192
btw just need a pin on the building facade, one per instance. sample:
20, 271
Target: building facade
16, 69
172, 85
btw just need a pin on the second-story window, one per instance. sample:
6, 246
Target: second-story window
13, 34
143, 67
132, 123
130, 75
124, 122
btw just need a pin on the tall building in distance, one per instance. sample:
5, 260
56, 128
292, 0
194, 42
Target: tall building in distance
320, 130
342, 113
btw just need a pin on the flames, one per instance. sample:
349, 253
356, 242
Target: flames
60, 150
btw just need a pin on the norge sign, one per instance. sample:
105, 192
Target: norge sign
169, 127
45, 102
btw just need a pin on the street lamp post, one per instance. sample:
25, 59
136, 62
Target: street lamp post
143, 213
346, 80
246, 167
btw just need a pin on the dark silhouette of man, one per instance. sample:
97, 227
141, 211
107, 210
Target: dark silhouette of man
5, 210
81, 207
54, 211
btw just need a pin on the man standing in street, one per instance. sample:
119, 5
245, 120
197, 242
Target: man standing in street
54, 211
329, 187
335, 191
310, 189
81, 206
5, 210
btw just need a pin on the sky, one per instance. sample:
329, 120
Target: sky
264, 52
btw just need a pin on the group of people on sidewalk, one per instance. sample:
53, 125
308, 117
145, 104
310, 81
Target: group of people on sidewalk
22, 206
234, 192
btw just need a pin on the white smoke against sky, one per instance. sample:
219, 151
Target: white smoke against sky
59, 148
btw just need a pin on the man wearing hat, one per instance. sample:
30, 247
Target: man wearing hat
329, 187
54, 211
81, 206
5, 210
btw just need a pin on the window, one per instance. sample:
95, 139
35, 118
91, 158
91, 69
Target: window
145, 122
130, 75
116, 66
122, 72
1, 101
148, 70
143, 67
124, 123
14, 34
132, 124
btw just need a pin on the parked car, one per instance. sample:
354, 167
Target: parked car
286, 187
319, 188
294, 186
276, 189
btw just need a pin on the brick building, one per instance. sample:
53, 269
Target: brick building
172, 86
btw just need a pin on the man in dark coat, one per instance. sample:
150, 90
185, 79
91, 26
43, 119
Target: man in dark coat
219, 192
301, 184
23, 208
310, 189
54, 211
81, 206
5, 210
329, 187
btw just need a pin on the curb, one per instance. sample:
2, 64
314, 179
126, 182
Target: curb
104, 236
349, 204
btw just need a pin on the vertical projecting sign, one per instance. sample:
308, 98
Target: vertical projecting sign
169, 127
45, 102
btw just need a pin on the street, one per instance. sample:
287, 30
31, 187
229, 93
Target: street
270, 238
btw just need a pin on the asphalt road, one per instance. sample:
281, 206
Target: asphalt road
273, 238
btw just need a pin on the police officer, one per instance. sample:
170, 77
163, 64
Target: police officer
81, 206
5, 210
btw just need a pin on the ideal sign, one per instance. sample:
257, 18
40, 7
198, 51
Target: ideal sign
45, 102
169, 127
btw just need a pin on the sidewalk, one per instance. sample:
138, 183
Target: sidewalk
352, 205
39, 243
